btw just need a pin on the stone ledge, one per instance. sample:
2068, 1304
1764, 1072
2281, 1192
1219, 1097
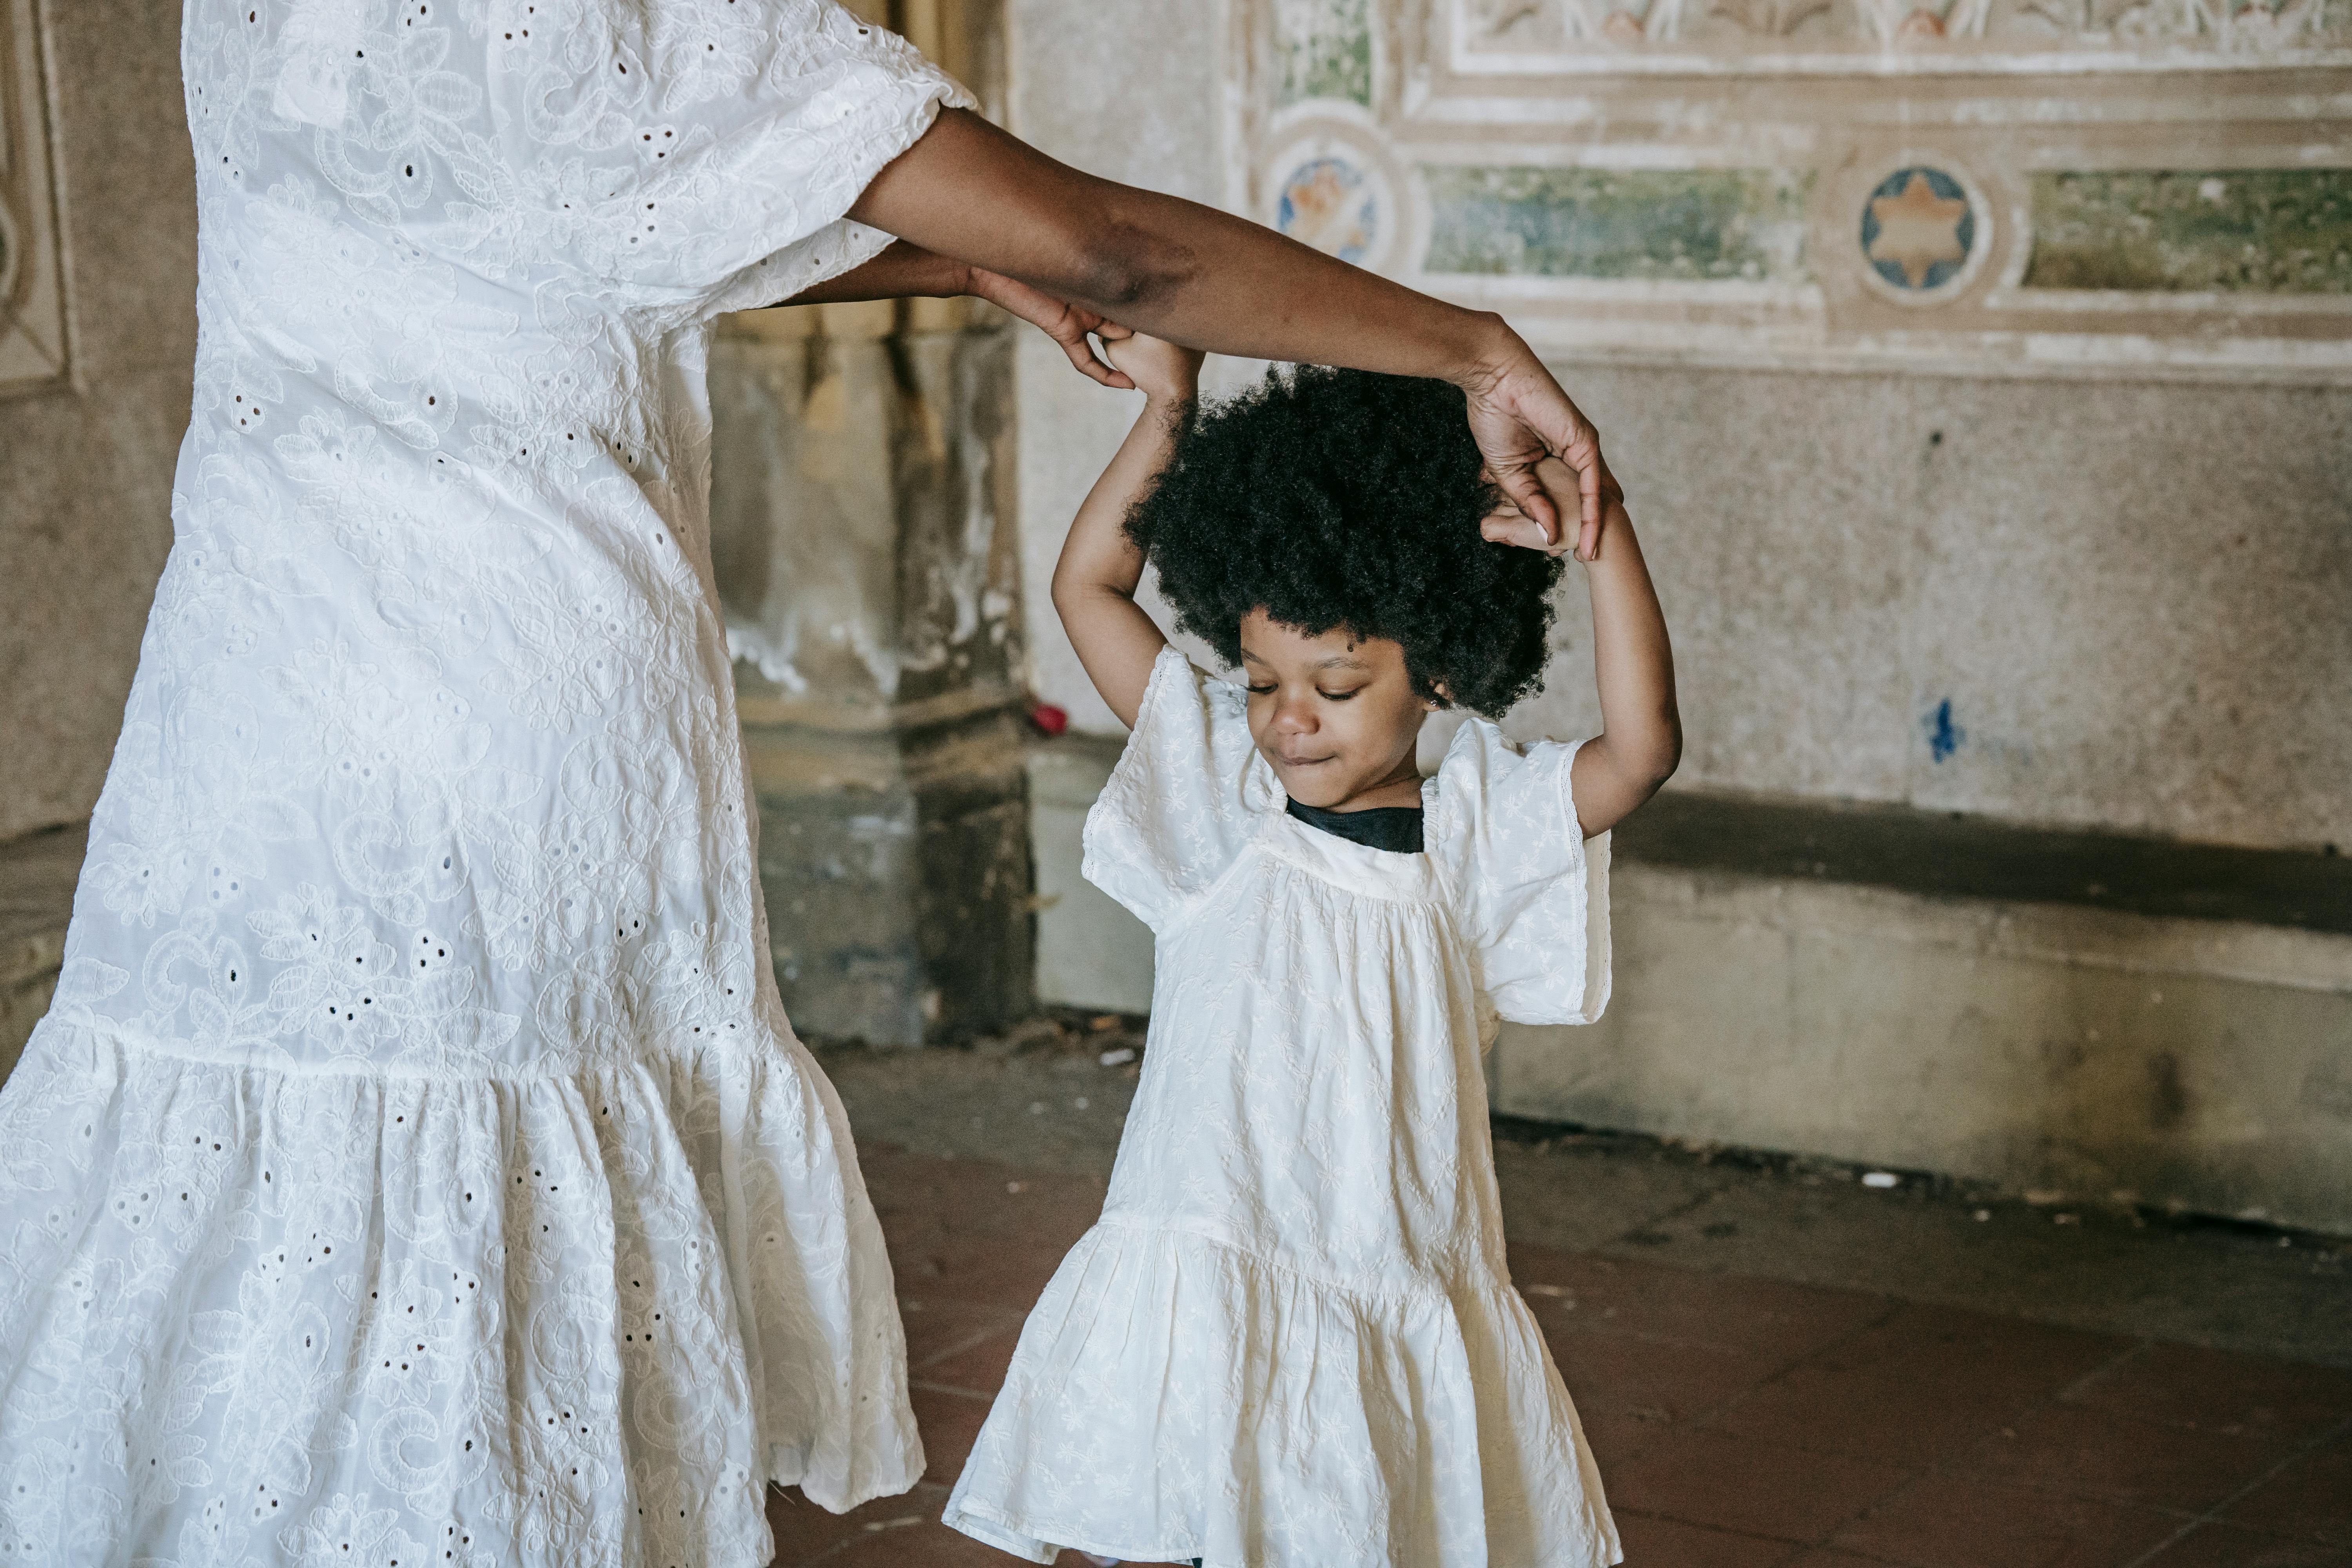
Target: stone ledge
2047, 1048
1941, 856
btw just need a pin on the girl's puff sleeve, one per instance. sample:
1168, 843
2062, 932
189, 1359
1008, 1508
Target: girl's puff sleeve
703, 153
1531, 892
1186, 796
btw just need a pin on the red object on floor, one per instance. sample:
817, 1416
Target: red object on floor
1049, 720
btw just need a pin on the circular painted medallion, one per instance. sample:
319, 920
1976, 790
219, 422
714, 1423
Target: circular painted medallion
1919, 230
1330, 203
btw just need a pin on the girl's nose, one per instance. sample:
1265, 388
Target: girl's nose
1294, 718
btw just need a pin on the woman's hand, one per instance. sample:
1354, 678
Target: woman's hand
1065, 323
1170, 375
1520, 417
1560, 486
908, 271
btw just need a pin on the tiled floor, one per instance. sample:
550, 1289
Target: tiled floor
1740, 1422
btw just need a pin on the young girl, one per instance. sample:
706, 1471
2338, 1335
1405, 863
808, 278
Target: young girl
1292, 1342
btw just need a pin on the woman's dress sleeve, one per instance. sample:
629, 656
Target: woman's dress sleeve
716, 144
1188, 795
1531, 892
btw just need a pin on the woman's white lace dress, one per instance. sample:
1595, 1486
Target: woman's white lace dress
416, 1166
1292, 1340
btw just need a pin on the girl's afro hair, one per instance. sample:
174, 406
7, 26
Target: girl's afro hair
1343, 499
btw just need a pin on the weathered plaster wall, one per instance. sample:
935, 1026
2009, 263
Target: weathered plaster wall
86, 473
2182, 1063
2103, 605
2076, 602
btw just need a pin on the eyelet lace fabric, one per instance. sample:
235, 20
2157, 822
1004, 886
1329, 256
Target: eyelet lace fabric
416, 1166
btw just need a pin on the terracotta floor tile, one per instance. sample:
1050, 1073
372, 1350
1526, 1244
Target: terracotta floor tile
1750, 1488
2091, 1453
972, 1200
1954, 1522
2227, 1546
1644, 1373
2311, 1500
2216, 1391
803, 1529
940, 1323
949, 1422
1877, 1413
1959, 1349
929, 1544
1768, 1317
1011, 1275
1619, 1435
1653, 1543
979, 1367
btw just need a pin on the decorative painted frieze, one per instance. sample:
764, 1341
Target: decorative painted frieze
34, 341
2071, 187
1692, 223
2233, 231
1857, 36
1325, 48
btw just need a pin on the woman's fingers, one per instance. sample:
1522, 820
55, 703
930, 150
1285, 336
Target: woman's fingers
1072, 330
1091, 363
1509, 524
1065, 323
1521, 415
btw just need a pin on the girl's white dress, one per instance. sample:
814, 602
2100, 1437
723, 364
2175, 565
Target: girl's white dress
1292, 1342
415, 1165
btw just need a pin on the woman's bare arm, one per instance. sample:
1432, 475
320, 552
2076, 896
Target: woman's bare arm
1206, 280
904, 271
1094, 582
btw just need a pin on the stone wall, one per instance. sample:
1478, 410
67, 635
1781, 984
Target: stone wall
864, 537
2058, 554
90, 429
1991, 434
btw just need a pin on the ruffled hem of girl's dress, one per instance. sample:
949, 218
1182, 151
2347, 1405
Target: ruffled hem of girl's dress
1175, 1396
594, 1311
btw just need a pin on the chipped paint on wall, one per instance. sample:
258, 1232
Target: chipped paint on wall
1698, 225
1944, 736
2255, 231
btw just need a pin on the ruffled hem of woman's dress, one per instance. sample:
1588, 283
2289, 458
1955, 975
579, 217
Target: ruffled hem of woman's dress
591, 1312
1177, 1397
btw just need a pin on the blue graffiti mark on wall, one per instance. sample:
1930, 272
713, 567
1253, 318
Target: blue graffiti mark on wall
1944, 737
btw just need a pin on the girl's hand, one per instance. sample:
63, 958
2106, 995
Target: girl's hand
1509, 523
1065, 323
1168, 374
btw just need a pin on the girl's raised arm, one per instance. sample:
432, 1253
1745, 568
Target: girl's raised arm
1640, 738
1094, 582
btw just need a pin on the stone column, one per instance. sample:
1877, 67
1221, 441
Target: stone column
862, 524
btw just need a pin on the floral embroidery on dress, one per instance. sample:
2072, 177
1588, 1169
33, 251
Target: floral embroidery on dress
415, 1163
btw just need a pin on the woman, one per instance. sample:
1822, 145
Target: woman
416, 1164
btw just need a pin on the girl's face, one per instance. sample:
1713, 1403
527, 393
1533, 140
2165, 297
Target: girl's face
1337, 717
